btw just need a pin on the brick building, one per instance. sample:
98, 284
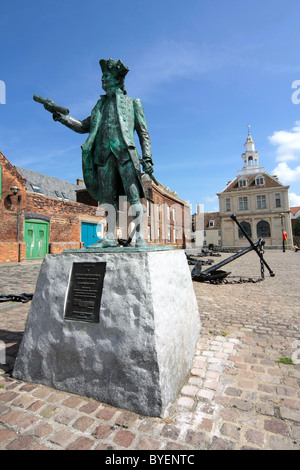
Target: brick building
212, 229
295, 212
168, 216
206, 229
40, 214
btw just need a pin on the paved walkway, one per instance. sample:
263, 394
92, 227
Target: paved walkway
237, 395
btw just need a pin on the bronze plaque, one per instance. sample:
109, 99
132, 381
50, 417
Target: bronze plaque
85, 292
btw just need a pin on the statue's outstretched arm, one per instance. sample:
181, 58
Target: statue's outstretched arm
82, 127
61, 114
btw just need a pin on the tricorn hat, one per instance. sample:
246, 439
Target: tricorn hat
113, 66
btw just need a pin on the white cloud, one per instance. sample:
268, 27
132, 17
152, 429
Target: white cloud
287, 145
286, 174
294, 200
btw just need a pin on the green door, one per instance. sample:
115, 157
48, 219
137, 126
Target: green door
36, 235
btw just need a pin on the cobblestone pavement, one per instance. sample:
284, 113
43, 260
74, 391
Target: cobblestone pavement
236, 396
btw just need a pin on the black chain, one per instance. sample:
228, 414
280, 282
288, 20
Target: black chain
240, 280
16, 297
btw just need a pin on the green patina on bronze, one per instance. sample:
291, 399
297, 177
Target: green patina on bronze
110, 159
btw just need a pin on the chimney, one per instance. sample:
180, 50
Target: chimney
79, 182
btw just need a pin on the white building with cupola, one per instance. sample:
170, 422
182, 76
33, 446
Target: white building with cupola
260, 203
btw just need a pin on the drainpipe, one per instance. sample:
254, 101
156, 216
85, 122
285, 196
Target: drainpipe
18, 228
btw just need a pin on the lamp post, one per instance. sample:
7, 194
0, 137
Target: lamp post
281, 218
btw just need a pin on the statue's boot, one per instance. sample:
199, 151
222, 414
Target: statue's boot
106, 243
137, 211
140, 243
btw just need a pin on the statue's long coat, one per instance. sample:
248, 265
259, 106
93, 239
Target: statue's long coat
131, 117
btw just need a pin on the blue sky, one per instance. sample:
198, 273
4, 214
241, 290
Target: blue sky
204, 70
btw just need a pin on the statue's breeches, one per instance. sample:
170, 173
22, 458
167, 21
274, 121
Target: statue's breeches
118, 179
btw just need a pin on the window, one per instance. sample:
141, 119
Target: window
242, 182
263, 229
261, 202
36, 189
219, 233
204, 233
174, 235
247, 227
168, 212
169, 235
158, 234
243, 203
173, 212
57, 193
148, 208
277, 200
149, 233
211, 223
259, 180
228, 204
64, 196
157, 211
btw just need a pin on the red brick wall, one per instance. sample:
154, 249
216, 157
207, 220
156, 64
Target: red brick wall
65, 217
12, 247
12, 251
10, 207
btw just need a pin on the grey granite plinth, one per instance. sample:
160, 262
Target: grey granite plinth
137, 356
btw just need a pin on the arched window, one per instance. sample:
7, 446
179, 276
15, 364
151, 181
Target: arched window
247, 227
263, 229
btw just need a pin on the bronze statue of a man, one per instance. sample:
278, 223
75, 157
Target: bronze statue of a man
110, 159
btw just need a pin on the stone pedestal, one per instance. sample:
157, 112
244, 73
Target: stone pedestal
135, 350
